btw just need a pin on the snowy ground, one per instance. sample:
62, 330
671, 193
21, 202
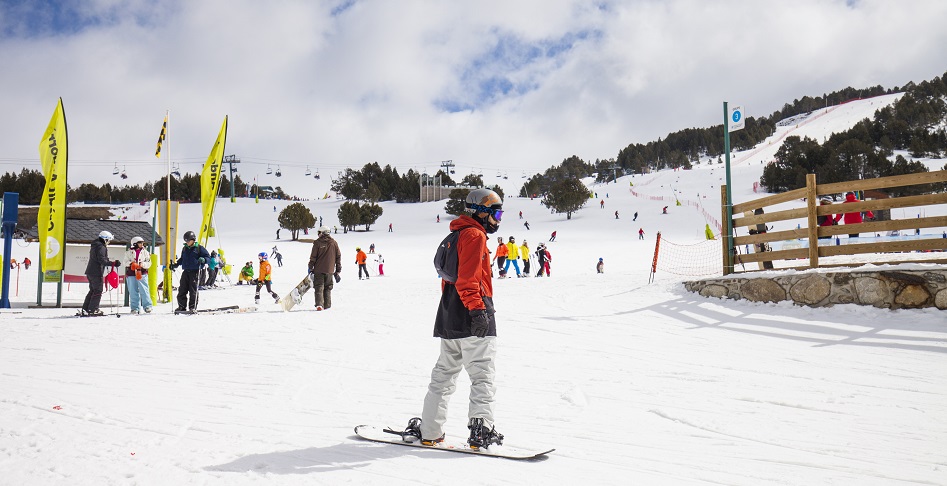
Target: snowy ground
631, 383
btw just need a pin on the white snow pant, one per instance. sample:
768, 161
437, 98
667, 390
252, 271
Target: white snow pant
474, 354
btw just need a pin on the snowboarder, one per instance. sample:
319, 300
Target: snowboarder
192, 257
266, 278
466, 326
600, 266
325, 262
137, 263
360, 258
94, 270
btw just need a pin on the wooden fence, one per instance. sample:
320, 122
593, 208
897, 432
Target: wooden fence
752, 215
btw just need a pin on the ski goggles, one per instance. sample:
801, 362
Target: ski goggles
497, 213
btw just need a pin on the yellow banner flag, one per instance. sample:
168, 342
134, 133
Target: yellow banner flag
51, 221
210, 182
164, 133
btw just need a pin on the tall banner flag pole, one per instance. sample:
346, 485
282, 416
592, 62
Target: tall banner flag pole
210, 182
51, 221
164, 139
733, 120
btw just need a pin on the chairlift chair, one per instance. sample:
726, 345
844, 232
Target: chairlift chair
278, 172
316, 175
124, 175
269, 170
176, 170
505, 176
115, 170
308, 171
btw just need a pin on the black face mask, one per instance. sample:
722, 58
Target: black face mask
488, 225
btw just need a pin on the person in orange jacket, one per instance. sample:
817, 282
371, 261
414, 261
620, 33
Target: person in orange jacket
500, 256
265, 278
360, 258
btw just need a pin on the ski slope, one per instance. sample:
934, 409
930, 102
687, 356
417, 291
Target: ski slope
631, 383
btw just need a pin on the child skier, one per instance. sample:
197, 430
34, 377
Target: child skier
246, 274
266, 277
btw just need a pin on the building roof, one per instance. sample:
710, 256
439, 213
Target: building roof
84, 231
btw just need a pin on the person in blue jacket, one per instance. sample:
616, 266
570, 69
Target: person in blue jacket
191, 259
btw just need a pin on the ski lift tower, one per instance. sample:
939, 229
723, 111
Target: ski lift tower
231, 159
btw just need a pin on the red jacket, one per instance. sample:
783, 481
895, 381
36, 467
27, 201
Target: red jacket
854, 218
474, 286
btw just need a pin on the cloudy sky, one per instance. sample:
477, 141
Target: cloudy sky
491, 85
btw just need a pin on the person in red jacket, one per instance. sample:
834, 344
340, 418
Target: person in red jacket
856, 217
466, 327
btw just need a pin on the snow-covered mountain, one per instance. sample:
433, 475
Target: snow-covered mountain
632, 383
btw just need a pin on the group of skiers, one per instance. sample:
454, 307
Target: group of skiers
509, 253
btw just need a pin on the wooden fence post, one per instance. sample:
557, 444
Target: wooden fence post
812, 196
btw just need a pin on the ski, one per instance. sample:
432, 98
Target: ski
230, 309
389, 436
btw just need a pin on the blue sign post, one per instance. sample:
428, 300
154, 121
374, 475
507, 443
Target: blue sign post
11, 203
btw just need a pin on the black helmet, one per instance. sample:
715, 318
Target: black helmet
189, 235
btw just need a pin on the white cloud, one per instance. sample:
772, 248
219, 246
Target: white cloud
335, 84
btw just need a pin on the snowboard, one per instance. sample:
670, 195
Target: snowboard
295, 296
376, 434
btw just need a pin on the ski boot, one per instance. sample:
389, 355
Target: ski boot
481, 437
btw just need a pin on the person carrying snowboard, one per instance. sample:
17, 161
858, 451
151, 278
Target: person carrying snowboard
325, 262
266, 278
466, 327
191, 259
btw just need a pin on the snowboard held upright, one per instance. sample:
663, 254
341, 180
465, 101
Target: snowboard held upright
296, 295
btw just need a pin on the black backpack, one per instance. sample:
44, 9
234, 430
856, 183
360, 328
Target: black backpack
445, 258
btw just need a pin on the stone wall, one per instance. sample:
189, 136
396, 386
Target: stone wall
894, 289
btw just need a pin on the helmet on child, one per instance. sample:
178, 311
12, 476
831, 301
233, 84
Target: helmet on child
105, 235
190, 236
137, 240
263, 256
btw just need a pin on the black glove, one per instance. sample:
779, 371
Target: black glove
173, 266
479, 322
117, 263
337, 277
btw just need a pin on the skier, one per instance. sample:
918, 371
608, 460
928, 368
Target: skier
278, 256
640, 233
371, 248
277, 231
138, 261
266, 278
466, 326
600, 266
246, 274
213, 264
524, 251
521, 215
616, 214
192, 257
26, 263
360, 258
513, 255
390, 230
500, 256
438, 218
381, 265
325, 262
602, 202
526, 224
541, 255
94, 270
665, 210
553, 236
